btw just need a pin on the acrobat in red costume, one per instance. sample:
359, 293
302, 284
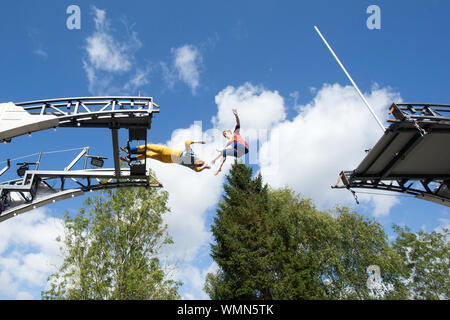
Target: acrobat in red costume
236, 145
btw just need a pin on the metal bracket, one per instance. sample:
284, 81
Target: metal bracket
8, 165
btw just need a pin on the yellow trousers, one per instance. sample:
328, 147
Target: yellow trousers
159, 152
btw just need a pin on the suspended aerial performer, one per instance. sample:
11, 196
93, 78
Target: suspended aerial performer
236, 145
164, 154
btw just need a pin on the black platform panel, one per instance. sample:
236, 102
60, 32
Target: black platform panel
413, 156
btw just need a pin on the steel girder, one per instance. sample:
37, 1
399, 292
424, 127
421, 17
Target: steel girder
38, 187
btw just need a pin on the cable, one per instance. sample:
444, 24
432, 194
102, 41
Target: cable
73, 149
48, 152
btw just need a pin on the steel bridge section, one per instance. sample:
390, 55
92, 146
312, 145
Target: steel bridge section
412, 157
85, 112
38, 187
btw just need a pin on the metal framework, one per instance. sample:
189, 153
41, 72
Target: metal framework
97, 112
39, 187
412, 157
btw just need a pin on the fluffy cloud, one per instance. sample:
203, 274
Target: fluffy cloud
107, 58
306, 153
185, 67
110, 66
258, 108
327, 136
104, 52
28, 253
41, 52
187, 60
191, 194
194, 279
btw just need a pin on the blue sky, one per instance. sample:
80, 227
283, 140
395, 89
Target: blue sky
198, 60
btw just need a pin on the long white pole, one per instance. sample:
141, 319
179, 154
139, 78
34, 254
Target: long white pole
351, 80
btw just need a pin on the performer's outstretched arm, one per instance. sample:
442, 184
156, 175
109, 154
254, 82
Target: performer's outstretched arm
238, 124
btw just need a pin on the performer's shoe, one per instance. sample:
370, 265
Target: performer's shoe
125, 159
125, 149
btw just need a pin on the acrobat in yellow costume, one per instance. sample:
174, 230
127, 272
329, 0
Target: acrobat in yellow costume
156, 152
165, 154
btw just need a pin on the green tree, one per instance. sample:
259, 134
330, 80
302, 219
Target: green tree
325, 255
426, 261
357, 243
272, 244
298, 230
111, 247
243, 245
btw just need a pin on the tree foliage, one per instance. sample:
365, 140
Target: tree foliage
243, 249
111, 247
426, 261
273, 244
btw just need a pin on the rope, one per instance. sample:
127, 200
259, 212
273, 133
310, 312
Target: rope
37, 153
354, 195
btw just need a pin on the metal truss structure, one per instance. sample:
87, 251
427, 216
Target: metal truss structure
36, 187
412, 157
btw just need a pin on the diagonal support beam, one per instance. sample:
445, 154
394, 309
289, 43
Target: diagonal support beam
8, 165
412, 143
80, 155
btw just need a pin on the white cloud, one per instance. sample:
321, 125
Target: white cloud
168, 75
191, 194
108, 59
295, 95
28, 253
138, 80
379, 201
259, 111
257, 108
34, 35
307, 153
187, 60
185, 67
106, 53
100, 19
41, 52
193, 280
7, 285
444, 224
327, 136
